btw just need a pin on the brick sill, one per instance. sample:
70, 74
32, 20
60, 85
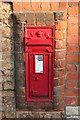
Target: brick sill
39, 114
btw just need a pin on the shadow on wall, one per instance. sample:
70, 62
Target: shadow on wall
79, 54
19, 61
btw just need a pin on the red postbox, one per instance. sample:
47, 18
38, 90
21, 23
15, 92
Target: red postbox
39, 48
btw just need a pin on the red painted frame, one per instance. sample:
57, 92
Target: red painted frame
46, 48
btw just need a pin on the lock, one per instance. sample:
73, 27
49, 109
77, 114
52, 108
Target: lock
35, 78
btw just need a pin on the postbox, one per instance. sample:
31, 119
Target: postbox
39, 51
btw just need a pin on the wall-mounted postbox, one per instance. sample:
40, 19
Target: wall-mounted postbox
39, 48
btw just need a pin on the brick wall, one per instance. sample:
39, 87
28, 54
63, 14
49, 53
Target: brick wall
65, 17
72, 60
48, 19
7, 71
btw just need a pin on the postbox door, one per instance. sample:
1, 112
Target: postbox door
40, 76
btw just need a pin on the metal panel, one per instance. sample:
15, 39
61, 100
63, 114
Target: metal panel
39, 48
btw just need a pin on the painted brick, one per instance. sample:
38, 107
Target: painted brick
60, 25
71, 100
54, 5
71, 67
72, 58
73, 29
72, 76
72, 48
73, 10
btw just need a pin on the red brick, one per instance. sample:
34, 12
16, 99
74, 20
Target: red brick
60, 54
73, 29
26, 6
58, 90
73, 20
72, 76
54, 5
79, 66
45, 6
79, 83
71, 67
71, 92
79, 75
59, 73
58, 99
59, 35
60, 16
63, 5
60, 25
30, 18
78, 19
72, 58
40, 17
71, 101
49, 19
35, 5
2, 115
73, 39
71, 84
65, 16
59, 63
73, 10
17, 6
79, 100
60, 106
73, 3
20, 99
60, 44
59, 81
72, 48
